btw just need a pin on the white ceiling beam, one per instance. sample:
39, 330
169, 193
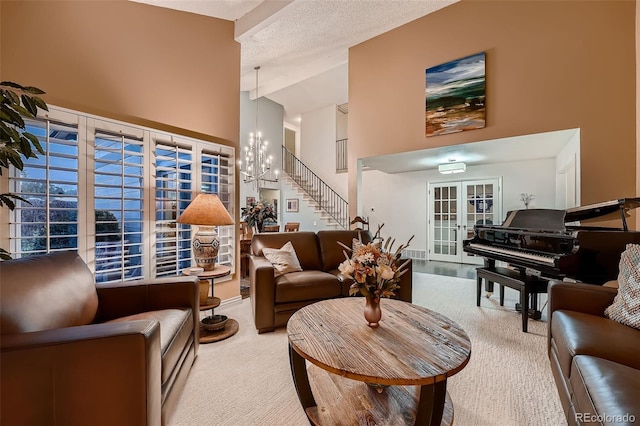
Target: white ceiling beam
259, 18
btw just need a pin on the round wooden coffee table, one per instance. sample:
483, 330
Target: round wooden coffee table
405, 362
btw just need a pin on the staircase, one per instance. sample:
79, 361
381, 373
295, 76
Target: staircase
332, 207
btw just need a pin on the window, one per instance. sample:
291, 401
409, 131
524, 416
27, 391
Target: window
173, 194
216, 174
119, 205
136, 181
48, 221
176, 163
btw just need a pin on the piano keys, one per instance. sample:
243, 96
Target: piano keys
547, 243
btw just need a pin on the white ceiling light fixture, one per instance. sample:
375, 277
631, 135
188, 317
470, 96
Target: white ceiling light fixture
452, 167
256, 165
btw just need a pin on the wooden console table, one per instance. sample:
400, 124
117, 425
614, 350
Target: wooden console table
525, 284
394, 374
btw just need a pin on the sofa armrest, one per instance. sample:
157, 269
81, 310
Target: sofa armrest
263, 292
588, 298
120, 299
109, 373
405, 292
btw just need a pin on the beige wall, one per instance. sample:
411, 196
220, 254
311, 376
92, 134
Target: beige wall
165, 69
128, 61
550, 66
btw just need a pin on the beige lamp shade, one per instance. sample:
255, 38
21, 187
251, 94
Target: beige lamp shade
206, 211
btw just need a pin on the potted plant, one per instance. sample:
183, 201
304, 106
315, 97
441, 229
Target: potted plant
16, 143
257, 214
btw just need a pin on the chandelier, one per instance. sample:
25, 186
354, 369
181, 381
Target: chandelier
255, 164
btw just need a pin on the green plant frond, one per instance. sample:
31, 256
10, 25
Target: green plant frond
33, 90
5, 200
9, 115
23, 112
41, 104
9, 135
25, 147
11, 84
34, 141
11, 96
29, 105
4, 255
16, 160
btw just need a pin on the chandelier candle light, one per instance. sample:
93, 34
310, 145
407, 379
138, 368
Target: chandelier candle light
206, 211
257, 164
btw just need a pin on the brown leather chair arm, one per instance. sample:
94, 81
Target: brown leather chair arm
263, 292
100, 374
579, 297
116, 300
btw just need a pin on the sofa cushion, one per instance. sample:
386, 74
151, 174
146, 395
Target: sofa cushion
332, 252
625, 308
176, 326
306, 285
605, 389
577, 333
45, 292
284, 259
304, 243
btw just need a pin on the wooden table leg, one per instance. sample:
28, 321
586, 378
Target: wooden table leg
431, 404
301, 379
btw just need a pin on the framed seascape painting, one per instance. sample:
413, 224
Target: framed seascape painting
455, 96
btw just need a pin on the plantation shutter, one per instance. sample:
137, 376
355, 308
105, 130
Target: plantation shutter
216, 179
49, 220
119, 206
173, 184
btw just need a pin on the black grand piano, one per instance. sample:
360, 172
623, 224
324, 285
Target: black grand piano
549, 244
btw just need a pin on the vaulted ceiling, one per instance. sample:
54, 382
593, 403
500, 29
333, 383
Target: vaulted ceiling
302, 46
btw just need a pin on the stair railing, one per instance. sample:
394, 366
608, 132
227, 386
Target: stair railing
328, 199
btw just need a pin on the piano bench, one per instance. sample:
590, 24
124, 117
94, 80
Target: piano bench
525, 284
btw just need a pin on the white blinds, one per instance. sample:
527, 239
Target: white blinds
173, 186
119, 206
49, 220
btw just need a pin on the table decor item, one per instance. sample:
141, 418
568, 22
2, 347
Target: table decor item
206, 211
376, 271
215, 322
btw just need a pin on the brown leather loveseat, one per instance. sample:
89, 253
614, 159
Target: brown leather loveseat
595, 361
76, 353
275, 299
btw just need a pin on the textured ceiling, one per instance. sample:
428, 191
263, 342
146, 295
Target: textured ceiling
302, 45
302, 48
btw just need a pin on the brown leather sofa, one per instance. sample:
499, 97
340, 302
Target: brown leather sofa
274, 300
595, 361
76, 353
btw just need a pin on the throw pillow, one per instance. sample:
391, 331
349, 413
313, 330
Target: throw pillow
625, 308
284, 259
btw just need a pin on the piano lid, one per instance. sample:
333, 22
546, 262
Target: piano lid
618, 207
549, 220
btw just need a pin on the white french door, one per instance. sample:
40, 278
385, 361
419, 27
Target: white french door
454, 209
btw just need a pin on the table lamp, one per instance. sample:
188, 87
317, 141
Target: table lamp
206, 211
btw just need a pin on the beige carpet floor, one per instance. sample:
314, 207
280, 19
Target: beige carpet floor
245, 380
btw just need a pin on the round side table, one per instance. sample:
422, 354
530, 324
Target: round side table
232, 326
